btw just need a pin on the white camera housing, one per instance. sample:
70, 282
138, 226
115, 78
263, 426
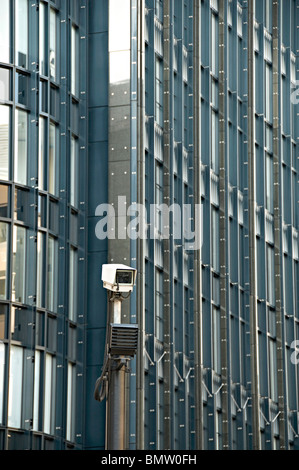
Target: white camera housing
118, 277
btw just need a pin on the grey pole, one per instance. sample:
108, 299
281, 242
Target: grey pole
116, 402
116, 407
121, 346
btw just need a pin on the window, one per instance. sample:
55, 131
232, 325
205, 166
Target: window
49, 397
42, 40
21, 89
21, 33
53, 216
2, 369
214, 142
159, 92
73, 275
159, 9
216, 340
268, 92
214, 45
15, 387
42, 152
74, 62
269, 138
20, 151
36, 392
21, 205
71, 389
43, 96
215, 262
52, 274
42, 211
40, 329
273, 370
270, 275
159, 198
54, 102
53, 44
4, 84
3, 260
5, 31
4, 141
269, 184
4, 207
18, 269
268, 15
53, 167
74, 172
40, 270
159, 304
239, 20
51, 330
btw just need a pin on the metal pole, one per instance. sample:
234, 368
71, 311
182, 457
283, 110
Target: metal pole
116, 407
116, 401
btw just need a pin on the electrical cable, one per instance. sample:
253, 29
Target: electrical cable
100, 390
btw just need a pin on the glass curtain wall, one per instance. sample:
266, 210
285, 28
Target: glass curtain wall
39, 195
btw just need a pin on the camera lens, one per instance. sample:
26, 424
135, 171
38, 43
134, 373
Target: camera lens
124, 277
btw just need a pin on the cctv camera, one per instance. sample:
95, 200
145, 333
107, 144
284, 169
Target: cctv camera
118, 277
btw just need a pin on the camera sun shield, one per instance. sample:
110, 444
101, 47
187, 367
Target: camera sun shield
118, 277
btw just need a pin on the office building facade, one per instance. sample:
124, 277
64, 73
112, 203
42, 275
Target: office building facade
119, 107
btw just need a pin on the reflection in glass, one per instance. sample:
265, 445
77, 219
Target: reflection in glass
53, 216
3, 310
214, 142
71, 387
215, 239
20, 151
40, 270
21, 31
74, 59
18, 268
53, 44
4, 141
2, 368
40, 329
42, 153
159, 9
73, 273
51, 342
52, 274
15, 386
3, 201
43, 96
49, 399
52, 159
42, 211
54, 103
21, 205
3, 259
19, 320
159, 92
74, 172
4, 84
5, 31
21, 88
42, 39
37, 362
269, 184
